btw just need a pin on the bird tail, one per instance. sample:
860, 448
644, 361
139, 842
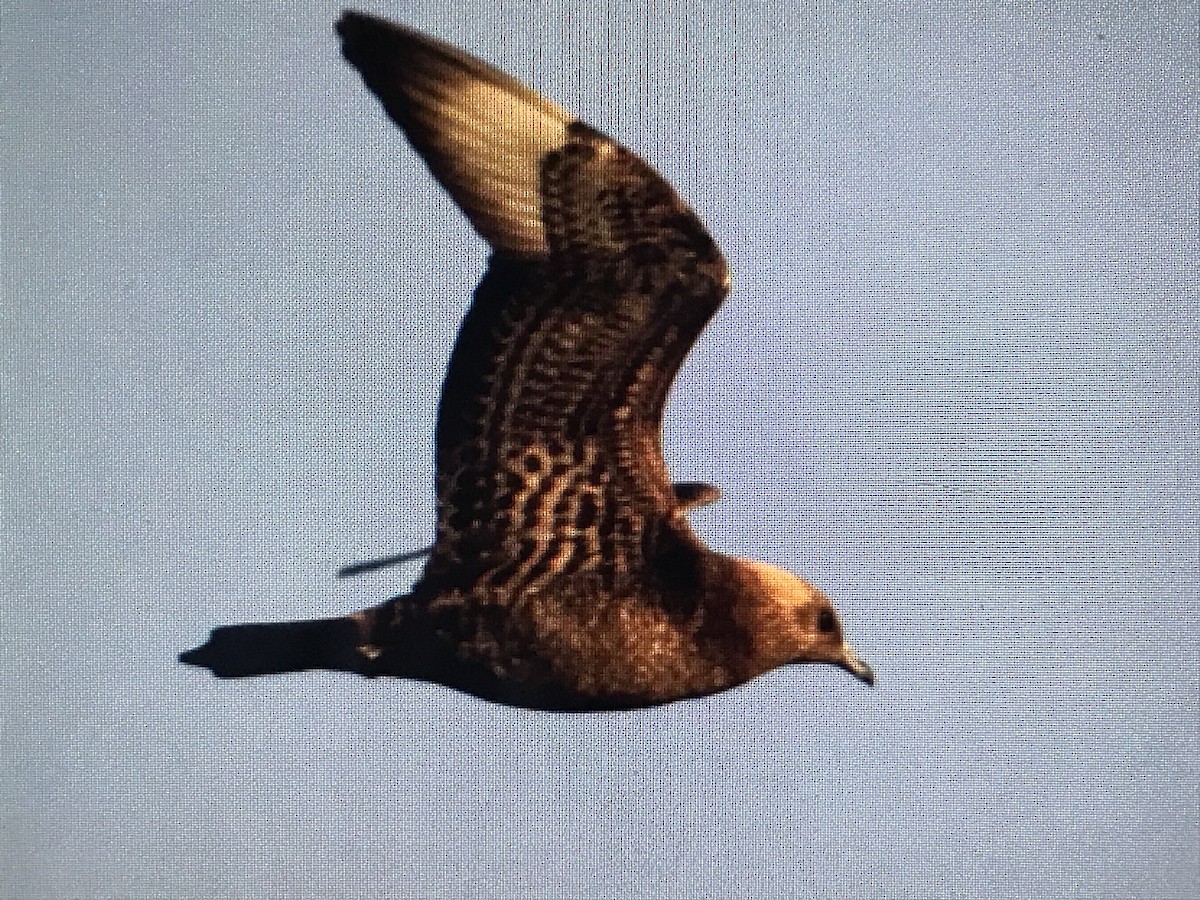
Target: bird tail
267, 648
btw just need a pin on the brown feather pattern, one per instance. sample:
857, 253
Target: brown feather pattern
564, 573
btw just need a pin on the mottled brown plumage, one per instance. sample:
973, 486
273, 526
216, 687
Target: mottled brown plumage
564, 573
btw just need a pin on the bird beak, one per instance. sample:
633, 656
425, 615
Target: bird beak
857, 666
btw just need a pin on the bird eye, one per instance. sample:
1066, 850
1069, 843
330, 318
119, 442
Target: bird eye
826, 622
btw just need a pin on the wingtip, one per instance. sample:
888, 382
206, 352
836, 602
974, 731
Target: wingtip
482, 132
370, 565
357, 29
361, 34
346, 20
351, 25
694, 494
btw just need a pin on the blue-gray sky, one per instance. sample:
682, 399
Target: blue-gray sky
955, 385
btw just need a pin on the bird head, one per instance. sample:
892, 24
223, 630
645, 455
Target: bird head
797, 622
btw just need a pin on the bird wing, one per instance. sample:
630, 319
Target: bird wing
549, 458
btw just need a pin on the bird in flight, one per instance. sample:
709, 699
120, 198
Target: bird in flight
564, 573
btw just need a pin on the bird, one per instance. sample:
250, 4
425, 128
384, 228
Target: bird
564, 573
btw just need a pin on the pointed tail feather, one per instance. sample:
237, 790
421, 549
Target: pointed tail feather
266, 648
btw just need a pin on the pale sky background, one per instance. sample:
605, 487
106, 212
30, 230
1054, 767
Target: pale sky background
955, 385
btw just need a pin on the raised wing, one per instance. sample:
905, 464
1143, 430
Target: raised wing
548, 436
